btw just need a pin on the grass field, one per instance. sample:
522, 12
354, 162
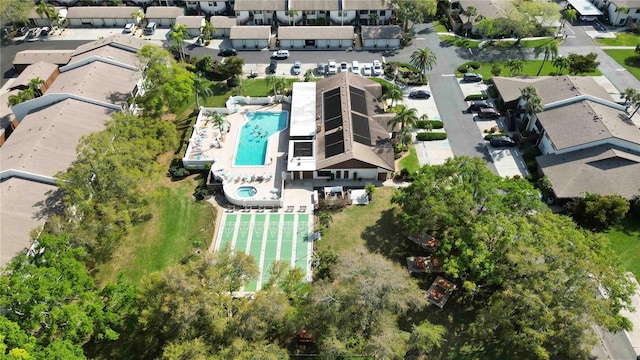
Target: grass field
459, 42
530, 68
410, 162
621, 39
627, 58
625, 241
179, 227
439, 27
508, 44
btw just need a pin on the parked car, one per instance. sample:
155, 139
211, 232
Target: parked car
150, 29
297, 68
280, 54
332, 67
367, 70
588, 18
419, 94
22, 31
344, 66
129, 28
377, 68
45, 31
273, 65
355, 67
228, 52
480, 104
502, 141
33, 33
320, 69
488, 113
472, 77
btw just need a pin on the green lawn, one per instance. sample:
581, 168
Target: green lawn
179, 227
459, 42
439, 27
410, 162
530, 68
625, 241
621, 39
628, 59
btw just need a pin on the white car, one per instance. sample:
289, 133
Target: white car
130, 27
355, 67
332, 67
366, 70
377, 68
280, 54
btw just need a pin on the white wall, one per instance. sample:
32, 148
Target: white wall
346, 17
213, 7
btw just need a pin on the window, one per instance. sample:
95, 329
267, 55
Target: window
211, 3
364, 12
622, 21
382, 13
637, 11
257, 12
340, 13
325, 173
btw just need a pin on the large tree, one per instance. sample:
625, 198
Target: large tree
632, 97
414, 11
529, 276
550, 50
179, 33
48, 11
405, 116
581, 64
424, 59
561, 63
15, 11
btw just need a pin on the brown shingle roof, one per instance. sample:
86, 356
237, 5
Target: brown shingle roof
163, 12
41, 69
381, 32
490, 9
121, 41
604, 170
315, 32
223, 22
28, 57
191, 22
309, 5
261, 5
250, 32
366, 5
101, 12
550, 88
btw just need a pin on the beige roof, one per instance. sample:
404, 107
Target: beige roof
551, 88
366, 5
259, 5
108, 52
97, 80
250, 32
223, 22
22, 208
27, 57
381, 32
41, 69
585, 122
604, 170
45, 142
125, 42
489, 9
379, 153
309, 5
315, 32
163, 12
191, 22
101, 12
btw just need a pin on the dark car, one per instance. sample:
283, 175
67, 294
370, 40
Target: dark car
472, 77
502, 141
273, 65
22, 31
419, 94
228, 52
480, 104
488, 113
45, 31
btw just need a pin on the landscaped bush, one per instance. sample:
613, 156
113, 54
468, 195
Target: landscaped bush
462, 69
435, 124
431, 136
233, 82
408, 66
476, 97
474, 65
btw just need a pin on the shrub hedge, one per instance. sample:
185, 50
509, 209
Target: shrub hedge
474, 65
435, 124
476, 97
431, 136
462, 69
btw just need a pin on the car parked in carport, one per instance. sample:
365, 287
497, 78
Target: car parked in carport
480, 104
488, 113
502, 141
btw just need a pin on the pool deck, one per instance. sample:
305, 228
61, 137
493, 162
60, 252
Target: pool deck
269, 175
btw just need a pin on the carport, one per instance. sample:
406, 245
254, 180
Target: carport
100, 16
315, 37
250, 37
585, 8
384, 37
163, 16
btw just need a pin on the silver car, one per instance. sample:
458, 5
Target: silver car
297, 68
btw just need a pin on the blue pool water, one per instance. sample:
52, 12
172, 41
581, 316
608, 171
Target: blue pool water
255, 134
245, 192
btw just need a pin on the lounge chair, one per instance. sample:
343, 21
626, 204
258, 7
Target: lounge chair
303, 208
289, 209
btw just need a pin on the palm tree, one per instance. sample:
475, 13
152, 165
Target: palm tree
373, 17
325, 219
218, 121
569, 15
278, 83
533, 104
393, 93
291, 13
423, 59
632, 96
208, 31
201, 86
137, 17
405, 116
515, 65
47, 10
20, 97
35, 86
471, 12
405, 137
178, 33
549, 49
561, 63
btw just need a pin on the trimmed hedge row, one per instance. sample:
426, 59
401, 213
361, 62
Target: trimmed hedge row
476, 97
431, 136
435, 124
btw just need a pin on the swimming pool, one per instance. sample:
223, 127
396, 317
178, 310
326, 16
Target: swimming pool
254, 136
245, 192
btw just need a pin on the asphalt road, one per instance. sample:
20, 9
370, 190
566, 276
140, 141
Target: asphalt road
8, 53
